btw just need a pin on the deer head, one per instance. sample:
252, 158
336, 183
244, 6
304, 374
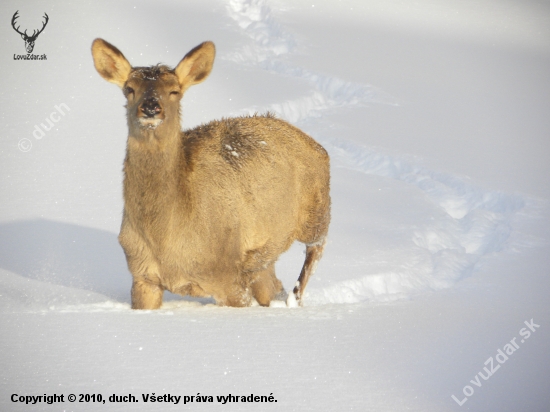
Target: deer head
29, 40
153, 93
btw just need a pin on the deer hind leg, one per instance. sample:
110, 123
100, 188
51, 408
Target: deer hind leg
237, 297
314, 251
266, 287
146, 295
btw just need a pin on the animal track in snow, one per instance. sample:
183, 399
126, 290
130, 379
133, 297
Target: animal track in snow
477, 221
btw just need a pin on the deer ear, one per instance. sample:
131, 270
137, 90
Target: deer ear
196, 65
110, 62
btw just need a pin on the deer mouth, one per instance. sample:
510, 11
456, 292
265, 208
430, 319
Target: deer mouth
149, 122
150, 113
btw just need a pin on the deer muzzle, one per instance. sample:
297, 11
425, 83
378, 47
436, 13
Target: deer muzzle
150, 113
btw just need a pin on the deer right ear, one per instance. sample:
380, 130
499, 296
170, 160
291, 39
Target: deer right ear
110, 63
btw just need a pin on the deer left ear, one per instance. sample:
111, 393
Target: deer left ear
110, 62
195, 67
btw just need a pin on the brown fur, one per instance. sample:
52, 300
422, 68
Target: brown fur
208, 211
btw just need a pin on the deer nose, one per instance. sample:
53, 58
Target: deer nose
150, 107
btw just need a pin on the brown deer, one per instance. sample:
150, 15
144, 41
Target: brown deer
208, 211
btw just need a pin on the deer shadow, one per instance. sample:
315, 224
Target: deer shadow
66, 254
69, 255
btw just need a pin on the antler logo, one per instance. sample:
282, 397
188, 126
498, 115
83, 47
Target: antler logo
29, 40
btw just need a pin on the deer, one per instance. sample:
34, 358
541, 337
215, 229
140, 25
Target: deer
29, 40
209, 210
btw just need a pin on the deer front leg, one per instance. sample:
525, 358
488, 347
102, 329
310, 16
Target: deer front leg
146, 290
146, 295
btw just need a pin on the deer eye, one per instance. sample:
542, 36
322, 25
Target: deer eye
129, 90
174, 93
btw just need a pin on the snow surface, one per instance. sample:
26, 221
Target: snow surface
435, 115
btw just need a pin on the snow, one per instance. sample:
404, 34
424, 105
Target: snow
435, 116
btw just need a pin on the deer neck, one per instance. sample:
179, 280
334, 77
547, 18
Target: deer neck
152, 174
